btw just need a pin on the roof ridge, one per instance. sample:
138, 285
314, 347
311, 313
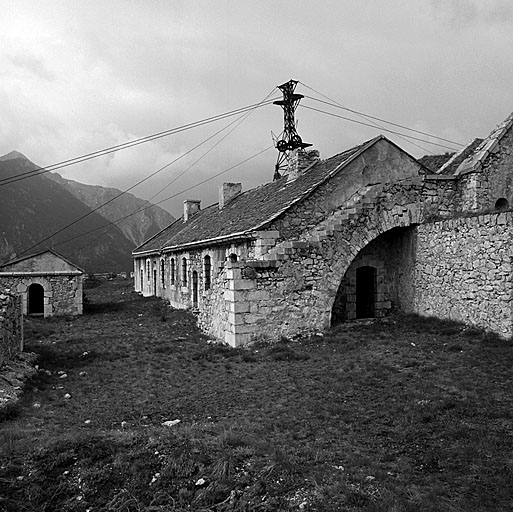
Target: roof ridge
475, 161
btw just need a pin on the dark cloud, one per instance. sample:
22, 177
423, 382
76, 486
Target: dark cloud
79, 77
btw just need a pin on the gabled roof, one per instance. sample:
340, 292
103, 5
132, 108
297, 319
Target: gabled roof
475, 160
452, 164
17, 262
252, 210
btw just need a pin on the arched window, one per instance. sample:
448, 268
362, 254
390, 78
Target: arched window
233, 257
195, 289
172, 271
184, 271
501, 204
148, 269
162, 273
207, 272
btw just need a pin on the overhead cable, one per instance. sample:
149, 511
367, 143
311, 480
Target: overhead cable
338, 105
176, 194
129, 144
386, 129
237, 122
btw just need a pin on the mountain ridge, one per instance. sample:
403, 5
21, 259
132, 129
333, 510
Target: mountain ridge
35, 208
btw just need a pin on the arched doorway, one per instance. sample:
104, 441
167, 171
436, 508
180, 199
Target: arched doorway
195, 289
365, 292
36, 299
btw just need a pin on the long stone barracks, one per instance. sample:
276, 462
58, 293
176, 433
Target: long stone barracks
362, 234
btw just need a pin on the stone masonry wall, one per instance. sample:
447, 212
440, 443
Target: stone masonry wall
11, 326
291, 288
463, 271
479, 190
63, 294
392, 254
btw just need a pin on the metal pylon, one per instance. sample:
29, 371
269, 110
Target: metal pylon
289, 140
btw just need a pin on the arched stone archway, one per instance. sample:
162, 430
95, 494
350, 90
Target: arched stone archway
381, 239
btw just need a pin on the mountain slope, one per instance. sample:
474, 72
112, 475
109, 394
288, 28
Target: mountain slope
148, 220
32, 209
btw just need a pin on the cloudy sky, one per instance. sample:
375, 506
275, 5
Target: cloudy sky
80, 76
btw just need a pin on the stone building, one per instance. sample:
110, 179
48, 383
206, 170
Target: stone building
361, 234
47, 282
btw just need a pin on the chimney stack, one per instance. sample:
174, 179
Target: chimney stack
190, 207
299, 161
227, 191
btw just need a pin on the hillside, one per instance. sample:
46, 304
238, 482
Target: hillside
137, 228
35, 208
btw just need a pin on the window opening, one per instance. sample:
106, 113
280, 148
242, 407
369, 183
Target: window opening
173, 271
233, 257
501, 204
162, 273
184, 272
207, 269
194, 288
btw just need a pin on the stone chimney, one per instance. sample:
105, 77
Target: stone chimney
227, 191
300, 161
190, 207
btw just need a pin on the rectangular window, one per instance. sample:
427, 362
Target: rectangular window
207, 272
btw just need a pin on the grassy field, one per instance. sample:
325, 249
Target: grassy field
406, 414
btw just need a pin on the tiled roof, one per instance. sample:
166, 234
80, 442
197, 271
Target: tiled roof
250, 210
474, 161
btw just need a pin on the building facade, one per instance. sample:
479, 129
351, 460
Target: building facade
362, 234
47, 283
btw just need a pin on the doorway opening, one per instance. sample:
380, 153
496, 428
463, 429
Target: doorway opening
36, 299
365, 292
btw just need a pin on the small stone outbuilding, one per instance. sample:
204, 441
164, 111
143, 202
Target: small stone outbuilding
362, 234
47, 283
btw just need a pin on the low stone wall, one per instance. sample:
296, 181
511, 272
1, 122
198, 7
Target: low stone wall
11, 326
463, 271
